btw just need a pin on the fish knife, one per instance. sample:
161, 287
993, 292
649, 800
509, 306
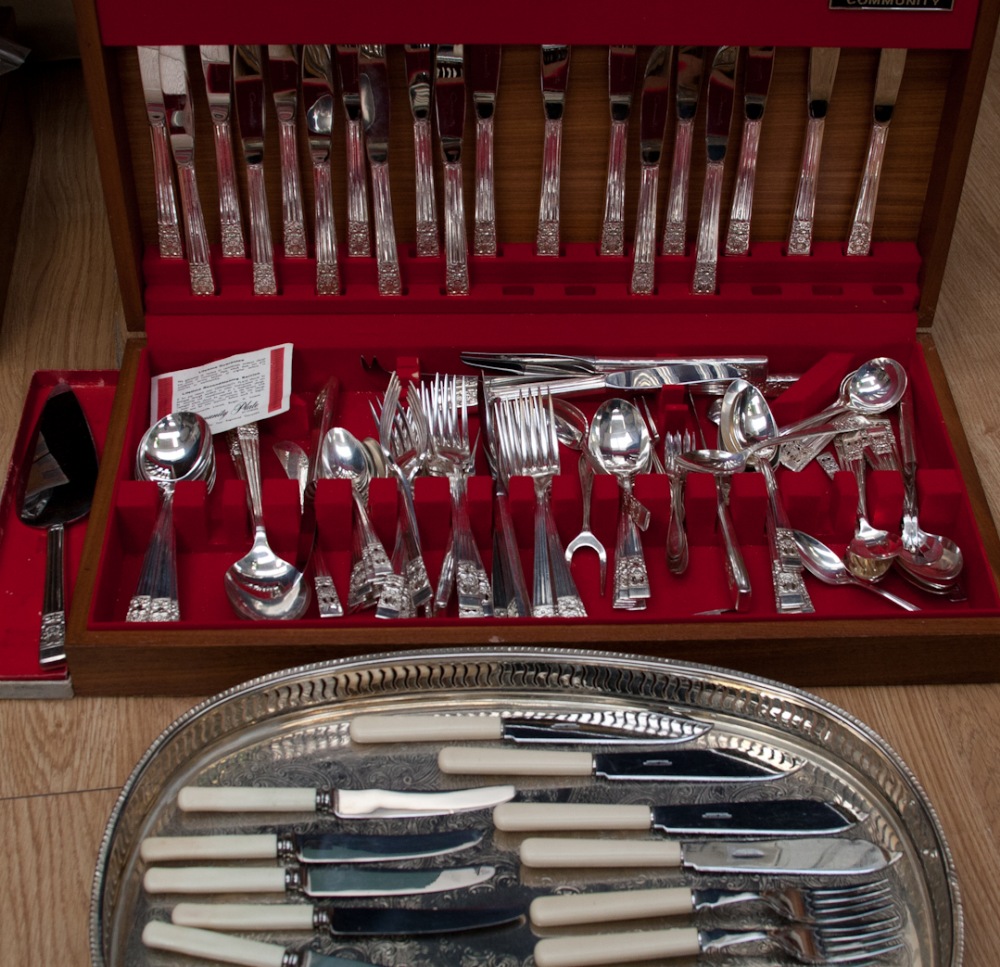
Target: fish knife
419, 59
555, 77
483, 63
621, 83
449, 105
358, 233
283, 71
308, 847
690, 67
719, 117
890, 74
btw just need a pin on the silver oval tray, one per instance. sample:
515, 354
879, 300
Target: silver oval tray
292, 729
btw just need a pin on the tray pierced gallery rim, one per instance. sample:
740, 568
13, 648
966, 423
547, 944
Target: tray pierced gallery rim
847, 754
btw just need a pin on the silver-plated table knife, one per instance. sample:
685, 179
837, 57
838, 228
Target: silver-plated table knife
621, 84
359, 242
167, 221
449, 103
482, 63
822, 72
180, 127
419, 66
890, 74
555, 77
690, 66
283, 71
217, 68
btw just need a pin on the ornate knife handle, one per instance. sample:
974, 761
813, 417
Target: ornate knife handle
427, 228
548, 210
800, 236
707, 249
645, 232
389, 282
262, 252
455, 244
359, 243
675, 231
199, 268
738, 236
230, 218
860, 240
327, 270
613, 229
167, 221
485, 233
291, 192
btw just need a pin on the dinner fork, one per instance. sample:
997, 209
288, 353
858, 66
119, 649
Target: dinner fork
587, 538
676, 443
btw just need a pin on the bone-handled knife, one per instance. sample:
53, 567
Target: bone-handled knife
449, 104
718, 119
167, 221
822, 73
318, 107
283, 71
482, 62
555, 77
757, 68
209, 945
217, 68
668, 765
690, 67
621, 84
248, 84
653, 113
346, 803
307, 847
374, 85
359, 242
180, 127
419, 75
890, 74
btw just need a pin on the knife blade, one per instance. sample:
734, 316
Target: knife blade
283, 72
167, 221
483, 64
358, 233
557, 364
757, 70
621, 84
812, 856
180, 127
449, 104
632, 728
55, 488
690, 67
341, 921
346, 803
555, 78
822, 72
773, 817
217, 68
890, 75
248, 85
312, 881
654, 111
317, 106
209, 945
719, 117
374, 87
307, 847
418, 59
673, 765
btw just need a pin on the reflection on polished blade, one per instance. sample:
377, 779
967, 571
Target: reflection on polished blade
819, 855
358, 882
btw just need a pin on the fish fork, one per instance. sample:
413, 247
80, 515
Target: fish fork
587, 538
677, 544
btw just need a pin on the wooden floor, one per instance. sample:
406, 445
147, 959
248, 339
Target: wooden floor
63, 762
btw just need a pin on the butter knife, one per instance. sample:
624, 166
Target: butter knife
719, 118
482, 62
180, 127
283, 70
822, 72
654, 111
890, 74
449, 102
358, 233
217, 67
167, 221
318, 106
374, 86
621, 83
555, 76
249, 89
757, 71
418, 59
690, 66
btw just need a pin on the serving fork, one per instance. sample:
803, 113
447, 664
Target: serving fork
587, 538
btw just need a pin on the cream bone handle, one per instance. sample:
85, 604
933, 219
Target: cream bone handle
554, 852
571, 909
616, 948
458, 760
215, 879
247, 916
238, 799
164, 849
211, 946
367, 729
520, 817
